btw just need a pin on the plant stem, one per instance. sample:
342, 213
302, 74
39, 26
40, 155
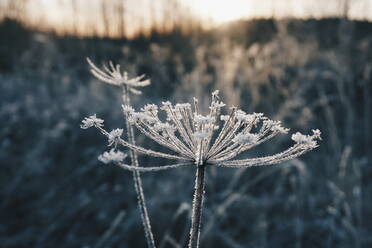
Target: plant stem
137, 179
197, 207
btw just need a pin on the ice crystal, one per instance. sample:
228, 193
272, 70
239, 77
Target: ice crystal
114, 136
112, 156
307, 140
91, 121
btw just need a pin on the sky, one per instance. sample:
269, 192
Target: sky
60, 13
227, 10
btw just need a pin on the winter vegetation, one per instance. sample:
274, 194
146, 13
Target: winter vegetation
112, 75
58, 185
195, 138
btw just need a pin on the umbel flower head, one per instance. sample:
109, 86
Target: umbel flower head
212, 139
215, 139
203, 140
112, 74
91, 121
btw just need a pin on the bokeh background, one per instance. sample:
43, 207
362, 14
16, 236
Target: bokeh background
306, 63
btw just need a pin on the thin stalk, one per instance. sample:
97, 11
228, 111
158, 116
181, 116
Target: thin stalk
197, 207
137, 179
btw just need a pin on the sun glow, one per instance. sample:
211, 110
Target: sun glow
103, 17
220, 11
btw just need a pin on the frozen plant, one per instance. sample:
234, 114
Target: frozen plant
91, 121
112, 156
112, 74
208, 140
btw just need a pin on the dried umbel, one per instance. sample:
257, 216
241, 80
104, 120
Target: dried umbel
213, 139
207, 140
91, 121
112, 74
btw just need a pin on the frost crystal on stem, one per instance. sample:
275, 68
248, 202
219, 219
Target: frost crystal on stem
91, 121
307, 140
114, 136
112, 156
202, 141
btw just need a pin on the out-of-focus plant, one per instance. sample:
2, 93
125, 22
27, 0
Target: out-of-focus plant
201, 141
112, 75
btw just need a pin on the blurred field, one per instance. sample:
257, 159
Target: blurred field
308, 74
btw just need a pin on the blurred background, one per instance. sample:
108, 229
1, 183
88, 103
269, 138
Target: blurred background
306, 63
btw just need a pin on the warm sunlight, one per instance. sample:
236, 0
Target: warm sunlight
220, 11
104, 18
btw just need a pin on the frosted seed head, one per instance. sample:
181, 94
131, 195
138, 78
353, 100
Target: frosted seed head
243, 117
280, 129
316, 134
257, 117
240, 112
165, 105
150, 108
127, 109
178, 114
190, 134
133, 117
306, 140
268, 123
215, 94
91, 121
217, 105
245, 138
276, 126
258, 114
196, 101
141, 116
111, 74
112, 156
145, 117
160, 126
180, 106
299, 137
114, 136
